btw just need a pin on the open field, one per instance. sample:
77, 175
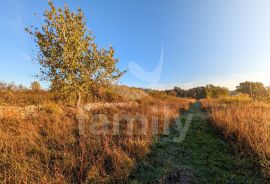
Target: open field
132, 142
43, 144
135, 92
244, 124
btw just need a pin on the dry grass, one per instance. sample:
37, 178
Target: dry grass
46, 146
23, 98
244, 123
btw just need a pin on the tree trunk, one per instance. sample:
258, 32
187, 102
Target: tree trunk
81, 124
78, 105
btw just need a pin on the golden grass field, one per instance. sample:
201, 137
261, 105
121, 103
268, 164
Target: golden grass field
45, 146
245, 124
41, 140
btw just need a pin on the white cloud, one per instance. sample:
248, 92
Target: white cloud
25, 56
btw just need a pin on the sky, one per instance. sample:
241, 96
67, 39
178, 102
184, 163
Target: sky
161, 43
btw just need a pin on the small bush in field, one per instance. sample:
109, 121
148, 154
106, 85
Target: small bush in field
238, 99
52, 108
35, 86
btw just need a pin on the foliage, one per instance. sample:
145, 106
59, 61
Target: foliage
19, 95
195, 93
208, 91
216, 91
69, 57
35, 86
5, 87
255, 90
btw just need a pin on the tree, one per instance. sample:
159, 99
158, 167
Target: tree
255, 90
69, 57
180, 92
35, 86
171, 92
197, 92
216, 91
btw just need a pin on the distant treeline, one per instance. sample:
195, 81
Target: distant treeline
208, 91
256, 90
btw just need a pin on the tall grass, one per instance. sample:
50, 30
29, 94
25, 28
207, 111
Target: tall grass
23, 98
245, 124
46, 145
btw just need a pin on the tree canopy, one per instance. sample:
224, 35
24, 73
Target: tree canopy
69, 57
216, 91
208, 91
255, 90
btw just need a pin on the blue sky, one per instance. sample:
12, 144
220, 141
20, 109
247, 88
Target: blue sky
162, 43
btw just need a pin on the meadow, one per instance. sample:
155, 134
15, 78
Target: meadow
46, 139
41, 140
245, 125
81, 126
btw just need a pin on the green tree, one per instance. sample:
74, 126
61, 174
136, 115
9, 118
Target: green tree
69, 57
35, 86
197, 92
216, 91
255, 90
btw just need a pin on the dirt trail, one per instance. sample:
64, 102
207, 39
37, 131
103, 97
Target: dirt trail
202, 157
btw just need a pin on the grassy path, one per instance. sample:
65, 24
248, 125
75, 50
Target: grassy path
203, 157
